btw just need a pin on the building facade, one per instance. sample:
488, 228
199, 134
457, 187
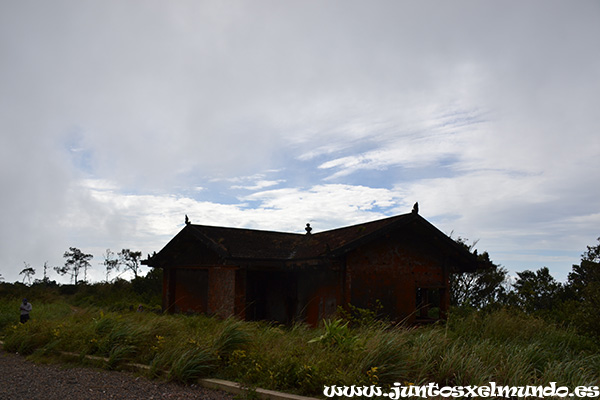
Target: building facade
399, 265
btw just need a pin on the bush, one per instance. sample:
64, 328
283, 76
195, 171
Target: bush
337, 334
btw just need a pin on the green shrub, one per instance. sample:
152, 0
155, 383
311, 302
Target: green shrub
337, 334
361, 317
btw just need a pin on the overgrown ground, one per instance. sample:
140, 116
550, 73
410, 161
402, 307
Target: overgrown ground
506, 348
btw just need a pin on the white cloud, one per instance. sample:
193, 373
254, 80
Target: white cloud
100, 216
117, 120
258, 185
329, 206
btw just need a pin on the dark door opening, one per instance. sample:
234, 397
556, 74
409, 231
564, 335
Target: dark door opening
429, 304
272, 296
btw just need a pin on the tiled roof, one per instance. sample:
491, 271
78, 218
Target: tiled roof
269, 245
251, 245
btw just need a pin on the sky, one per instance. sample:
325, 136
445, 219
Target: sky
119, 117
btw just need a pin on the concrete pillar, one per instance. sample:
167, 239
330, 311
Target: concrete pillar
221, 291
240, 293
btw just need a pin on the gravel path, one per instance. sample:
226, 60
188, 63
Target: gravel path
22, 379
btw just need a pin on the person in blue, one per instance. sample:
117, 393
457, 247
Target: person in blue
25, 310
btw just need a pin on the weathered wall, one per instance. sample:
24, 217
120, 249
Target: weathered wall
185, 279
390, 270
240, 305
403, 271
319, 294
300, 294
168, 289
221, 291
212, 290
188, 290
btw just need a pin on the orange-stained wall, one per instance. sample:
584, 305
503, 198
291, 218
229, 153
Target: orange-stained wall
215, 290
187, 290
320, 293
390, 271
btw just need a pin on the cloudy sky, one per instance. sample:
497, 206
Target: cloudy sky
119, 117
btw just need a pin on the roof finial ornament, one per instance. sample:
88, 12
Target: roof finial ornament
187, 220
308, 229
415, 209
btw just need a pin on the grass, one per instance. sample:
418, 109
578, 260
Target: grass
501, 347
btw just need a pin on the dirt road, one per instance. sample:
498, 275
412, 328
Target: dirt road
22, 379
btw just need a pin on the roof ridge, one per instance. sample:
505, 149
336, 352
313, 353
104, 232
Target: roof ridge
246, 229
376, 221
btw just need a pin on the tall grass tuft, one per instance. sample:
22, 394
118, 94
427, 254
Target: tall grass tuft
120, 354
27, 338
387, 359
191, 364
232, 337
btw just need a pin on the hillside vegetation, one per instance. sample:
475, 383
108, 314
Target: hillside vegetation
508, 348
532, 331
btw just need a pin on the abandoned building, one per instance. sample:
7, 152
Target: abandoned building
401, 263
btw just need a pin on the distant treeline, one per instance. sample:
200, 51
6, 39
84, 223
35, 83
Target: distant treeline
574, 303
77, 263
117, 295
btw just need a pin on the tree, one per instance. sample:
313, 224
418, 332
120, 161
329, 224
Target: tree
76, 260
27, 273
479, 289
592, 253
45, 279
584, 283
587, 272
482, 288
536, 291
111, 262
130, 260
